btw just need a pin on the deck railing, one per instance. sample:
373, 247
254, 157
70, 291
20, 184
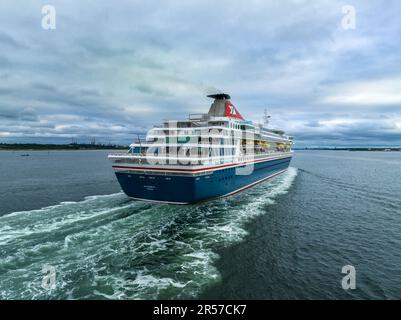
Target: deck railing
131, 158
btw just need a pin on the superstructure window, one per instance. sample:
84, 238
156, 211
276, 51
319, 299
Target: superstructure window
136, 150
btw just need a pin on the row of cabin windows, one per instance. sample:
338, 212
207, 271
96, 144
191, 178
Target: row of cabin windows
235, 126
210, 151
214, 123
137, 150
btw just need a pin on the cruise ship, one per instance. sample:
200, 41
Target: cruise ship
206, 156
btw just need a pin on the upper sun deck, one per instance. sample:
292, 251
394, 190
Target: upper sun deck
222, 116
213, 126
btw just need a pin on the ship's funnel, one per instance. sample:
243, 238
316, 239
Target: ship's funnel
222, 107
220, 96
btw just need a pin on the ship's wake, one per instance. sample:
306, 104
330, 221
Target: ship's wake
112, 247
359, 192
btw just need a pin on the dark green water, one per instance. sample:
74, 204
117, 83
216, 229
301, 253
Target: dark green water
286, 238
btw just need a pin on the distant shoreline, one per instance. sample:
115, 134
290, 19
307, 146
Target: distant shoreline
58, 147
37, 150
88, 147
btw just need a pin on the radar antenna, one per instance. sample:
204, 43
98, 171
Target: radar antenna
266, 118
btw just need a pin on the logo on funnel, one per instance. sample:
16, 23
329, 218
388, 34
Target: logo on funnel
231, 111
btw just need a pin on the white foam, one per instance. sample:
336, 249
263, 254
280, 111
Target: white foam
64, 203
185, 238
53, 218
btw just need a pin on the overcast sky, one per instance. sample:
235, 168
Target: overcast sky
112, 69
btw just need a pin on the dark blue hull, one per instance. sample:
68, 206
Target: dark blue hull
185, 189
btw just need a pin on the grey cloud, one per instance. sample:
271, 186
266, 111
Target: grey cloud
6, 114
117, 68
90, 92
28, 114
8, 41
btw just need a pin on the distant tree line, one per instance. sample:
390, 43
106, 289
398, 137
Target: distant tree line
71, 146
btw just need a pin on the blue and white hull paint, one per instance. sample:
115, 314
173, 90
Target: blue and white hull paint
192, 186
206, 156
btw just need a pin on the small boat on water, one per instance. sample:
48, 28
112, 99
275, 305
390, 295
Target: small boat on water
25, 155
203, 157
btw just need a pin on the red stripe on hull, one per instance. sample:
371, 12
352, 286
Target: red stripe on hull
198, 170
